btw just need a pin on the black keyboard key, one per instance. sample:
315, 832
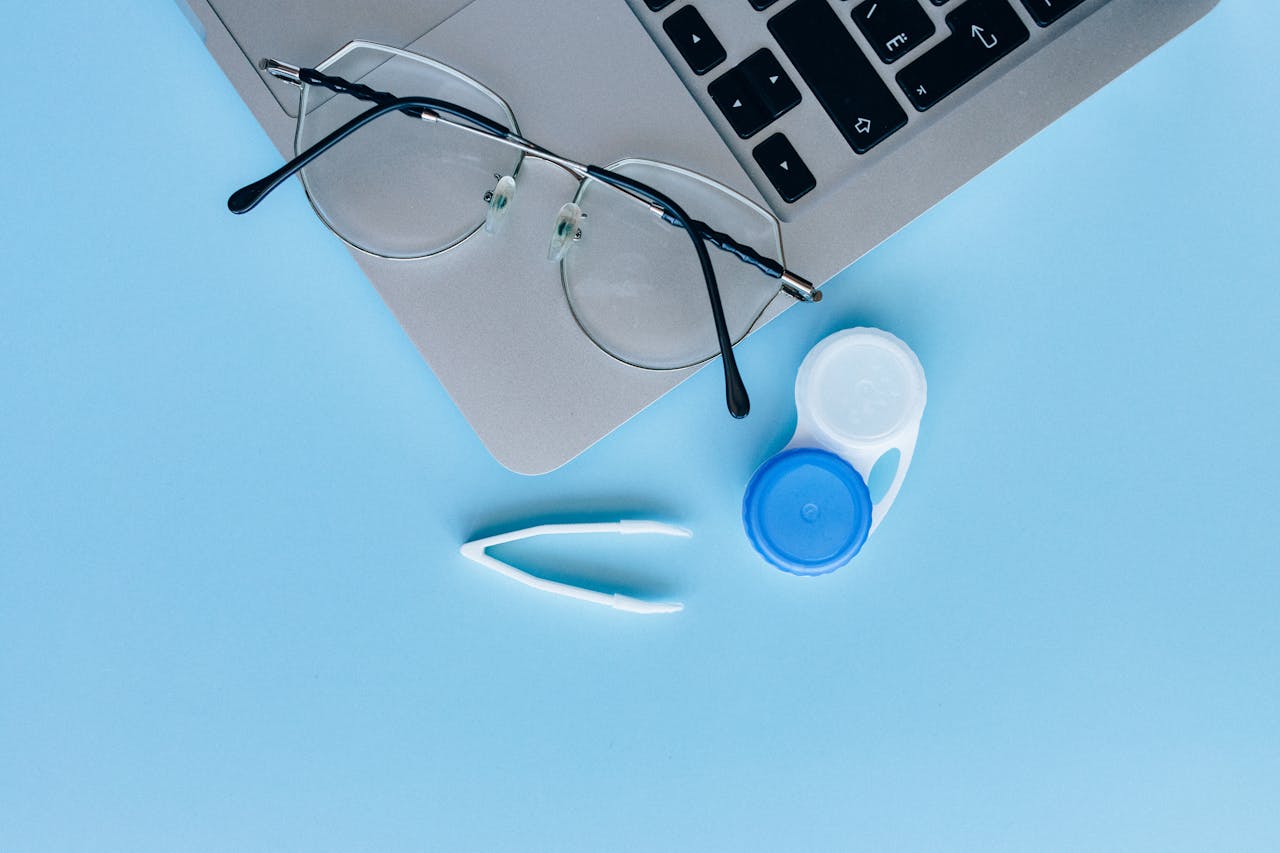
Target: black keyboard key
784, 168
694, 39
982, 32
739, 103
1045, 12
761, 5
657, 5
893, 26
754, 93
764, 75
841, 77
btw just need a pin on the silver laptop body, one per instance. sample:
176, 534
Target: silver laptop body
604, 80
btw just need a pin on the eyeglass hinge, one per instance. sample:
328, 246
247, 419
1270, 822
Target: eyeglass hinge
283, 71
800, 288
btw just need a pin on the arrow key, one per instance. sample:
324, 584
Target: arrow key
784, 168
764, 75
694, 39
738, 101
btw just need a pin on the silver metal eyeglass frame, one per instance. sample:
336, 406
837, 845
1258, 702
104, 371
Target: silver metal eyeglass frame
467, 121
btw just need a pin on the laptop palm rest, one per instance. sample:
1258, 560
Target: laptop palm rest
489, 316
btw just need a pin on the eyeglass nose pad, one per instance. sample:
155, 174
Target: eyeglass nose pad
499, 199
566, 231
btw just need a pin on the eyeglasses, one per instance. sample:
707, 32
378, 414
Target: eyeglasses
414, 188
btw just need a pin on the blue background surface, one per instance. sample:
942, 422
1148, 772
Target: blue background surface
232, 616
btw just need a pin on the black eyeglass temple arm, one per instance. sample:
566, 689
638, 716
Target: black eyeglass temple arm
735, 391
796, 286
247, 198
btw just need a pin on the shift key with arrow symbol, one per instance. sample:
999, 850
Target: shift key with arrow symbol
982, 33
838, 73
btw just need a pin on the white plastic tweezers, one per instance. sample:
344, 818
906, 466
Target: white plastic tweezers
475, 551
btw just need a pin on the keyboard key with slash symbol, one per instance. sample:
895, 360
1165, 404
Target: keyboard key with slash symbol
893, 27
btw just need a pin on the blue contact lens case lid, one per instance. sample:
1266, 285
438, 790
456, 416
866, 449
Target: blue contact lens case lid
807, 511
860, 396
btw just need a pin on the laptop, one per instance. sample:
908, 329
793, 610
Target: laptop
844, 118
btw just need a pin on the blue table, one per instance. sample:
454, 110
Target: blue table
232, 613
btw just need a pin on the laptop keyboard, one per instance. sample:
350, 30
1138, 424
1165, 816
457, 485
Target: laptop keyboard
840, 76
877, 69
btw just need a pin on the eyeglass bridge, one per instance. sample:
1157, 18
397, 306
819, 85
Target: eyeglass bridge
567, 230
